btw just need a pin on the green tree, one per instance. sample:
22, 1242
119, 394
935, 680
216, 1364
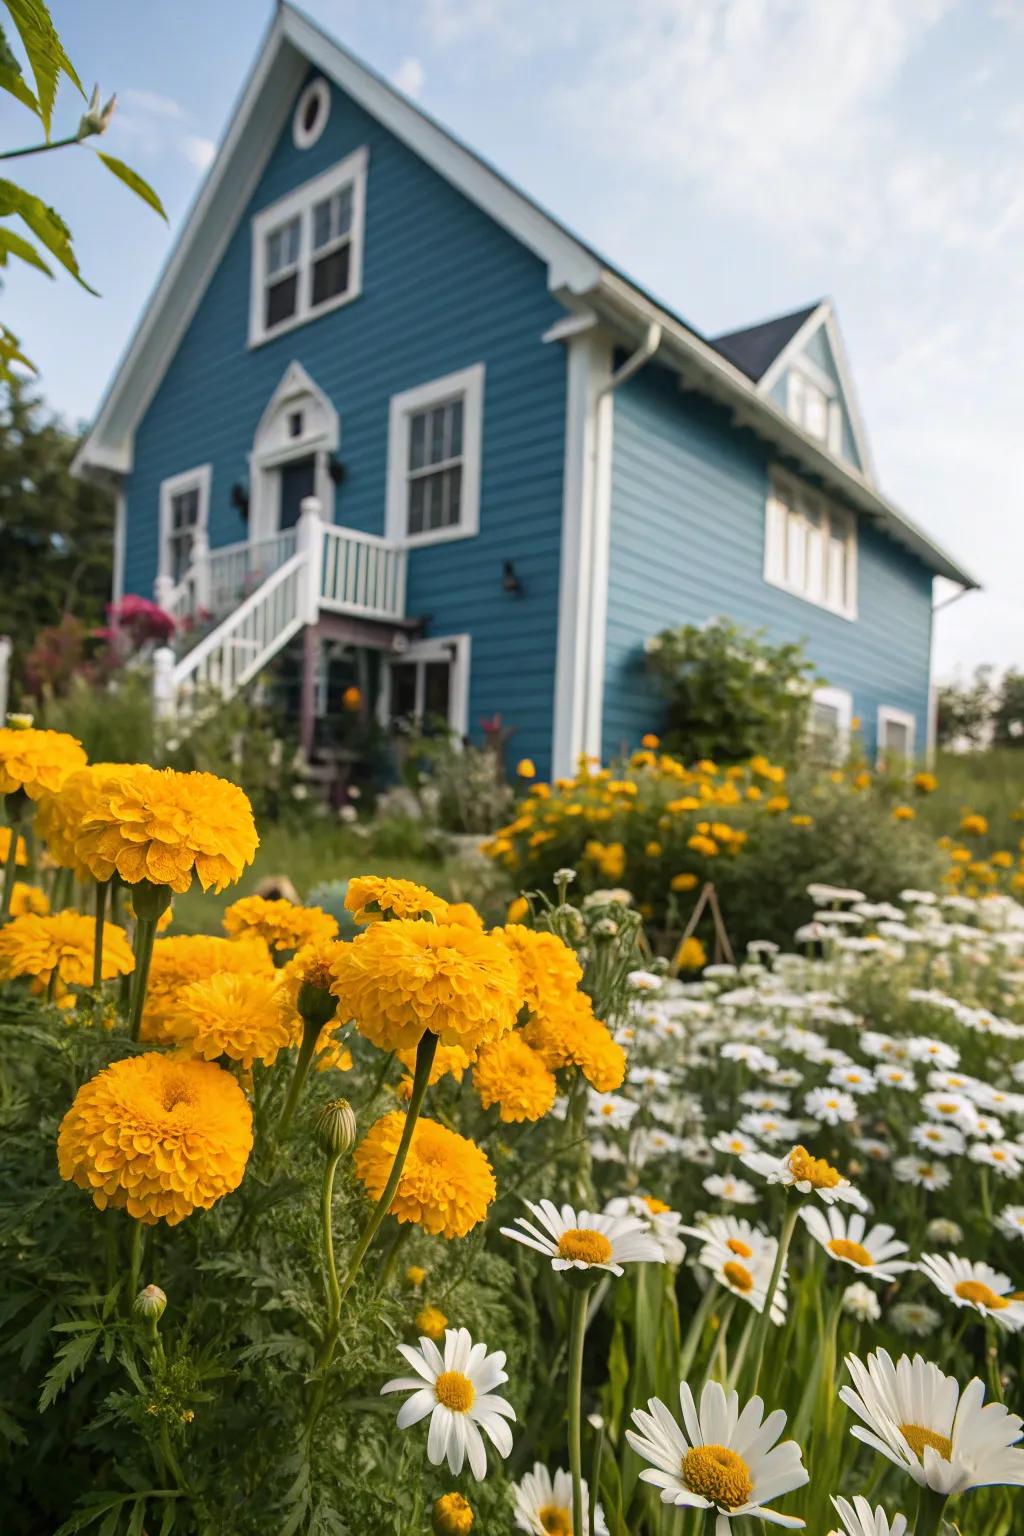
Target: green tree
47, 63
1008, 715
56, 532
964, 716
730, 693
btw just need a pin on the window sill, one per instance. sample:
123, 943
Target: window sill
849, 614
261, 338
413, 541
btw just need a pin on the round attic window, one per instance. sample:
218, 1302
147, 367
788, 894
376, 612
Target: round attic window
311, 113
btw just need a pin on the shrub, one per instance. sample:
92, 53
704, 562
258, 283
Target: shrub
730, 693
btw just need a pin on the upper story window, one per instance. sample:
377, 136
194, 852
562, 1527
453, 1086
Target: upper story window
434, 459
812, 403
307, 250
810, 546
311, 113
184, 514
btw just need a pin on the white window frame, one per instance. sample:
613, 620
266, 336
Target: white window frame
319, 90
806, 375
841, 700
299, 204
469, 383
786, 493
888, 714
451, 648
198, 479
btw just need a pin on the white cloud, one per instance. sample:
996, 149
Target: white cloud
152, 104
198, 151
410, 77
157, 124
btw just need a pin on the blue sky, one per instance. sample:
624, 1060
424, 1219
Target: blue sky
739, 157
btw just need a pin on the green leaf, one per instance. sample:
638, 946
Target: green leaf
46, 56
11, 78
133, 180
72, 1357
45, 223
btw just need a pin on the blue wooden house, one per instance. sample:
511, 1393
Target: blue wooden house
381, 406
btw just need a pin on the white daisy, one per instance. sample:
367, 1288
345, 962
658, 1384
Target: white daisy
924, 1048
891, 1075
720, 1459
873, 1149
644, 981
751, 1055
859, 1519
722, 1186
872, 1252
786, 1077
950, 1108
831, 1106
939, 1140
736, 1143
766, 1103
770, 1127
1003, 1156
853, 1078
920, 1420
806, 1173
457, 1390
659, 1220
823, 895
860, 1301
650, 1142
746, 1272
543, 1504
736, 1233
950, 1082
1011, 1220
989, 1126
913, 1317
977, 1285
610, 1110
583, 1240
921, 1172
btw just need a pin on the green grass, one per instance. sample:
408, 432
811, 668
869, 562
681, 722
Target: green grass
989, 782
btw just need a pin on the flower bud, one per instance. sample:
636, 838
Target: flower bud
97, 118
150, 1303
317, 1006
452, 1516
19, 722
335, 1128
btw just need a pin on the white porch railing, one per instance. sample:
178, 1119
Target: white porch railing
299, 573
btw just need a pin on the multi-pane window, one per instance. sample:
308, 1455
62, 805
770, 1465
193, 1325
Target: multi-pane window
307, 250
184, 507
811, 546
435, 467
421, 693
434, 450
814, 409
830, 720
896, 732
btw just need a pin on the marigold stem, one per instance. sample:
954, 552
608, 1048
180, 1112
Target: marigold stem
765, 1320
326, 1219
14, 816
102, 887
577, 1334
425, 1053
310, 1036
135, 1262
145, 934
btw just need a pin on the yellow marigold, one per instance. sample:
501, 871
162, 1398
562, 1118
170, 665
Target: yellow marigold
691, 955
372, 897
37, 762
160, 1136
903, 813
1002, 860
402, 978
547, 968
777, 803
449, 1061
571, 1036
447, 1183
61, 815
652, 850
279, 923
158, 825
961, 855
610, 858
192, 957
973, 824
352, 699
432, 1322
650, 741
685, 803
28, 898
415, 1274
20, 855
508, 1073
37, 946
683, 882
526, 768
702, 844
518, 909
801, 821
925, 783
452, 1515
232, 1015
465, 913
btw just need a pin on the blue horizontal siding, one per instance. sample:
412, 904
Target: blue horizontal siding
689, 493
443, 288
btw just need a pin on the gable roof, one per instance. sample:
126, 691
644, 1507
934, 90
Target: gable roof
754, 348
581, 279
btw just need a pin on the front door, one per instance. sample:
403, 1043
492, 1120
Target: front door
298, 480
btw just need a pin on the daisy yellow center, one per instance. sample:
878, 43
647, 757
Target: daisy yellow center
738, 1246
813, 1170
917, 1437
455, 1391
555, 1520
718, 1474
846, 1248
738, 1276
948, 1109
585, 1244
607, 1109
980, 1294
656, 1207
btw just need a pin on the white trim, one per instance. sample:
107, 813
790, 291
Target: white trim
299, 204
888, 714
824, 316
271, 451
469, 384
453, 648
787, 493
319, 90
120, 531
841, 700
197, 479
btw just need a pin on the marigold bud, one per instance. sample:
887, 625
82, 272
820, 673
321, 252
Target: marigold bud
317, 1006
150, 1303
452, 1516
335, 1128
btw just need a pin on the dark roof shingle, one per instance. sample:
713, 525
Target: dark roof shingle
755, 348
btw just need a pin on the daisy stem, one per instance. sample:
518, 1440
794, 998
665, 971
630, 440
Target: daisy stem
102, 887
765, 1320
696, 1330
928, 1519
425, 1053
577, 1333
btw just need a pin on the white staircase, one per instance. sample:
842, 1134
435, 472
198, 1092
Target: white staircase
262, 594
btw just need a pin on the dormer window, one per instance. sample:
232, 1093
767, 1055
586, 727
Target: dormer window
307, 250
813, 405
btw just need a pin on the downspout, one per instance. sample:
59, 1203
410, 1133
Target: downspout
599, 521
